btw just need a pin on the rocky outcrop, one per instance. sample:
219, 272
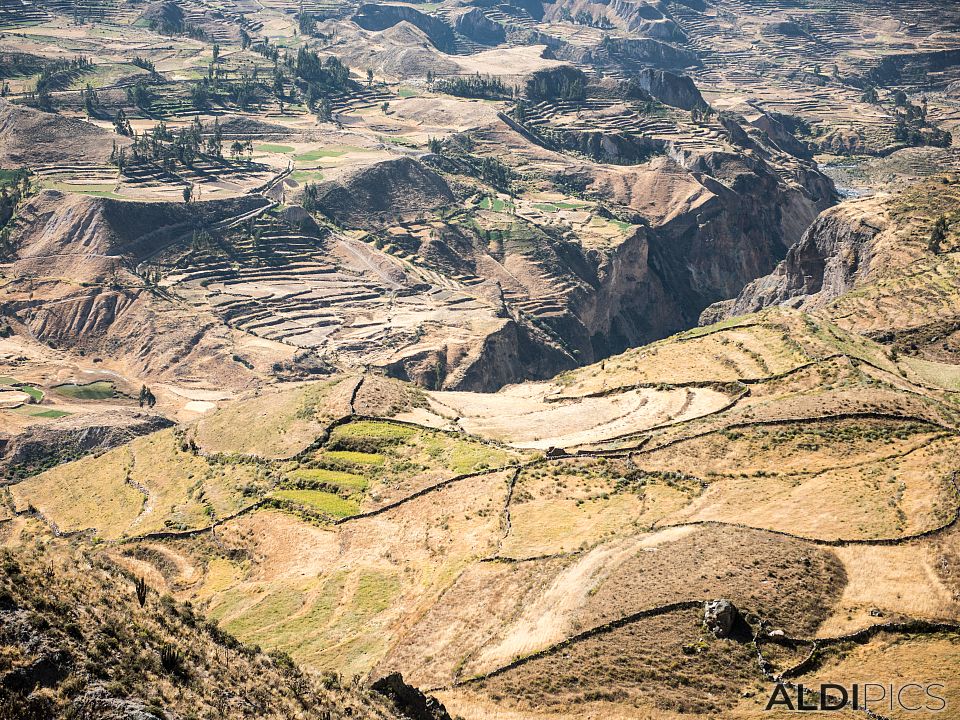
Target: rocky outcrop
779, 131
474, 24
675, 90
380, 17
42, 446
649, 51
609, 147
827, 262
409, 701
383, 190
720, 616
563, 82
510, 351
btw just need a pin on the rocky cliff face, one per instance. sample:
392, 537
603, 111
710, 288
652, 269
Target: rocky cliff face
610, 147
831, 257
473, 24
650, 51
675, 90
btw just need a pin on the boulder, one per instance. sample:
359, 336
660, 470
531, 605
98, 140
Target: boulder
720, 616
409, 700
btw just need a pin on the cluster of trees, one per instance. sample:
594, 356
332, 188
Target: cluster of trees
140, 95
270, 52
911, 125
12, 190
174, 24
121, 123
91, 101
313, 77
697, 114
54, 76
328, 74
307, 24
495, 173
311, 193
474, 86
144, 64
585, 18
185, 146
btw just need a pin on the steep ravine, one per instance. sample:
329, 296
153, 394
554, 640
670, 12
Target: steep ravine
834, 254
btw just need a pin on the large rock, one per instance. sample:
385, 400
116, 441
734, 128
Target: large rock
409, 700
720, 616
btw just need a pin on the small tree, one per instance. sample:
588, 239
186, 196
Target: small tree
187, 193
369, 77
141, 586
938, 234
199, 95
121, 124
147, 398
385, 107
324, 110
91, 101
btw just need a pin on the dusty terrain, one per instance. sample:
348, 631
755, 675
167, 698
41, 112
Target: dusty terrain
479, 343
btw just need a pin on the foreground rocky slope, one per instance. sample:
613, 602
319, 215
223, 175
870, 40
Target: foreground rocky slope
77, 642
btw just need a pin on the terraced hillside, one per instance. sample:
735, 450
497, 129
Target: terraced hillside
500, 361
364, 527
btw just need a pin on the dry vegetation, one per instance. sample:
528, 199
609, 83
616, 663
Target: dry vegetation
75, 641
